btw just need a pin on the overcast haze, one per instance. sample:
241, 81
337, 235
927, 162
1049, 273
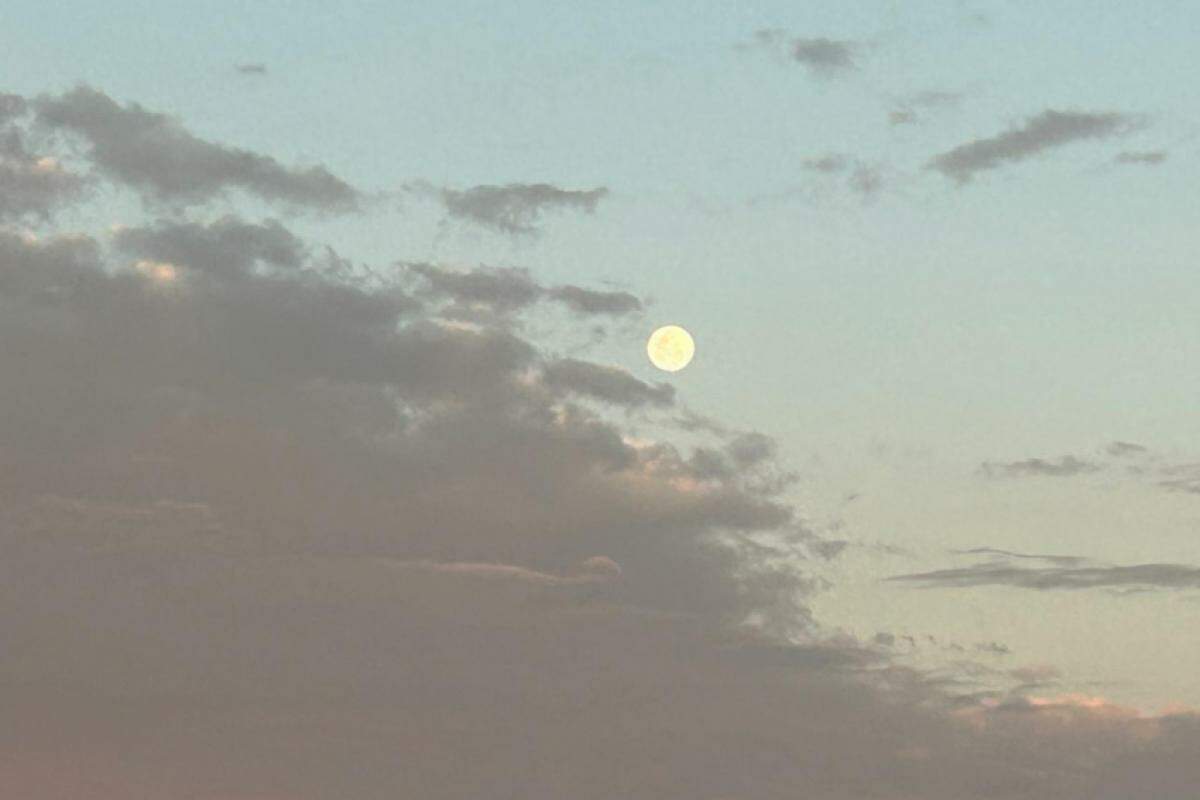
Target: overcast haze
332, 465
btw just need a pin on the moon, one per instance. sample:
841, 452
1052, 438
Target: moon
670, 348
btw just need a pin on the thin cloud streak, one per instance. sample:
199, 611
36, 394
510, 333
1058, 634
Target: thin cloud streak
1147, 576
1042, 132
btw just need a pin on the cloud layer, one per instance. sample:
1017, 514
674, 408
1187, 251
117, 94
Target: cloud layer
275, 526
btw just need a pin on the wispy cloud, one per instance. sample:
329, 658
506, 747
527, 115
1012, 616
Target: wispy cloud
516, 208
993, 551
1063, 467
821, 56
508, 289
905, 112
863, 178
1161, 576
1045, 131
1125, 449
1144, 157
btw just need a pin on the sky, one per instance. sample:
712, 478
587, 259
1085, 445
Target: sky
332, 464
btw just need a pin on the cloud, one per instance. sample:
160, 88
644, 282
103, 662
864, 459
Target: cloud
832, 162
1039, 133
35, 187
1125, 449
32, 185
158, 157
609, 384
863, 179
251, 69
591, 301
992, 551
275, 527
934, 98
516, 208
1063, 467
227, 245
11, 106
821, 56
1148, 158
509, 289
905, 113
505, 289
1181, 478
1151, 576
866, 180
826, 57
750, 448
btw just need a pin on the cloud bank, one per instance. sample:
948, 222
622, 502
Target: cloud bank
275, 526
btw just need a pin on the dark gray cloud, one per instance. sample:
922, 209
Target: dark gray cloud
505, 288
1039, 133
753, 456
992, 551
1063, 467
227, 245
1181, 478
155, 155
1147, 157
1150, 576
32, 184
824, 56
591, 301
610, 384
517, 207
1125, 449
11, 106
510, 289
750, 448
1036, 676
35, 187
821, 56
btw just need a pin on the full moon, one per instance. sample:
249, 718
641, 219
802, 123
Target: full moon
670, 348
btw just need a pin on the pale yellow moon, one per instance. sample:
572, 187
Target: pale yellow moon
670, 348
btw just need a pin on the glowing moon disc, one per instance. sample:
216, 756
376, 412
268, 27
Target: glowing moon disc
670, 348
